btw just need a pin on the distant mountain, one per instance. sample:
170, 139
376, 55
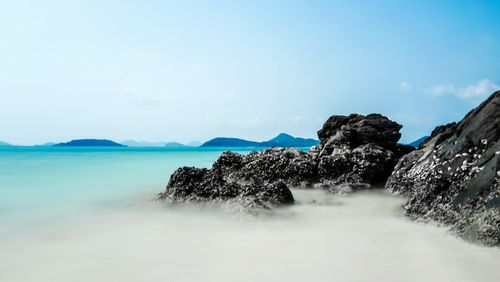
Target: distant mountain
417, 142
4, 144
174, 145
132, 143
282, 140
230, 142
89, 143
194, 144
286, 140
48, 144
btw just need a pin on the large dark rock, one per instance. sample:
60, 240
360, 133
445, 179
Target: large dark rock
355, 152
454, 177
291, 166
202, 185
258, 177
356, 130
358, 150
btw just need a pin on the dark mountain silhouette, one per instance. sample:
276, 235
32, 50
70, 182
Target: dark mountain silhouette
282, 140
286, 140
89, 143
230, 142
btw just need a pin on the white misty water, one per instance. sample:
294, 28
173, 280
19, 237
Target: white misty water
359, 237
87, 216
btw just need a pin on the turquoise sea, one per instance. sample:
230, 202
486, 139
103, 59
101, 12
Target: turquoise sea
85, 214
46, 183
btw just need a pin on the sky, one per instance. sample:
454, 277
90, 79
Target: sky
193, 70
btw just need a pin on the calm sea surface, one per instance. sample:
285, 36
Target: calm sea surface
85, 214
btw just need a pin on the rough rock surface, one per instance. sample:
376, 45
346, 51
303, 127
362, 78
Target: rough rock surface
454, 177
358, 150
290, 165
201, 185
355, 151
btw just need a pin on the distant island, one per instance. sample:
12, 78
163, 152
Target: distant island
48, 144
133, 143
282, 140
89, 143
229, 142
174, 145
194, 144
4, 144
419, 141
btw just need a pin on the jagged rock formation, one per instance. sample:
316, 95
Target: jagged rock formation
454, 177
358, 150
290, 165
355, 151
200, 185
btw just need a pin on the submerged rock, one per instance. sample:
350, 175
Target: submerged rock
355, 151
454, 177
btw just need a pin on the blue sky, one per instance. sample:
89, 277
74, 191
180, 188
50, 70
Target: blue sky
192, 70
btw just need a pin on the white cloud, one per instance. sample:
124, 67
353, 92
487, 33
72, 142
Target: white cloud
479, 90
404, 87
440, 90
299, 118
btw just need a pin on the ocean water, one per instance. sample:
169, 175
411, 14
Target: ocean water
85, 214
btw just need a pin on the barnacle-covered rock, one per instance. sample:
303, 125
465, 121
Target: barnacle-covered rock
189, 184
454, 177
355, 152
